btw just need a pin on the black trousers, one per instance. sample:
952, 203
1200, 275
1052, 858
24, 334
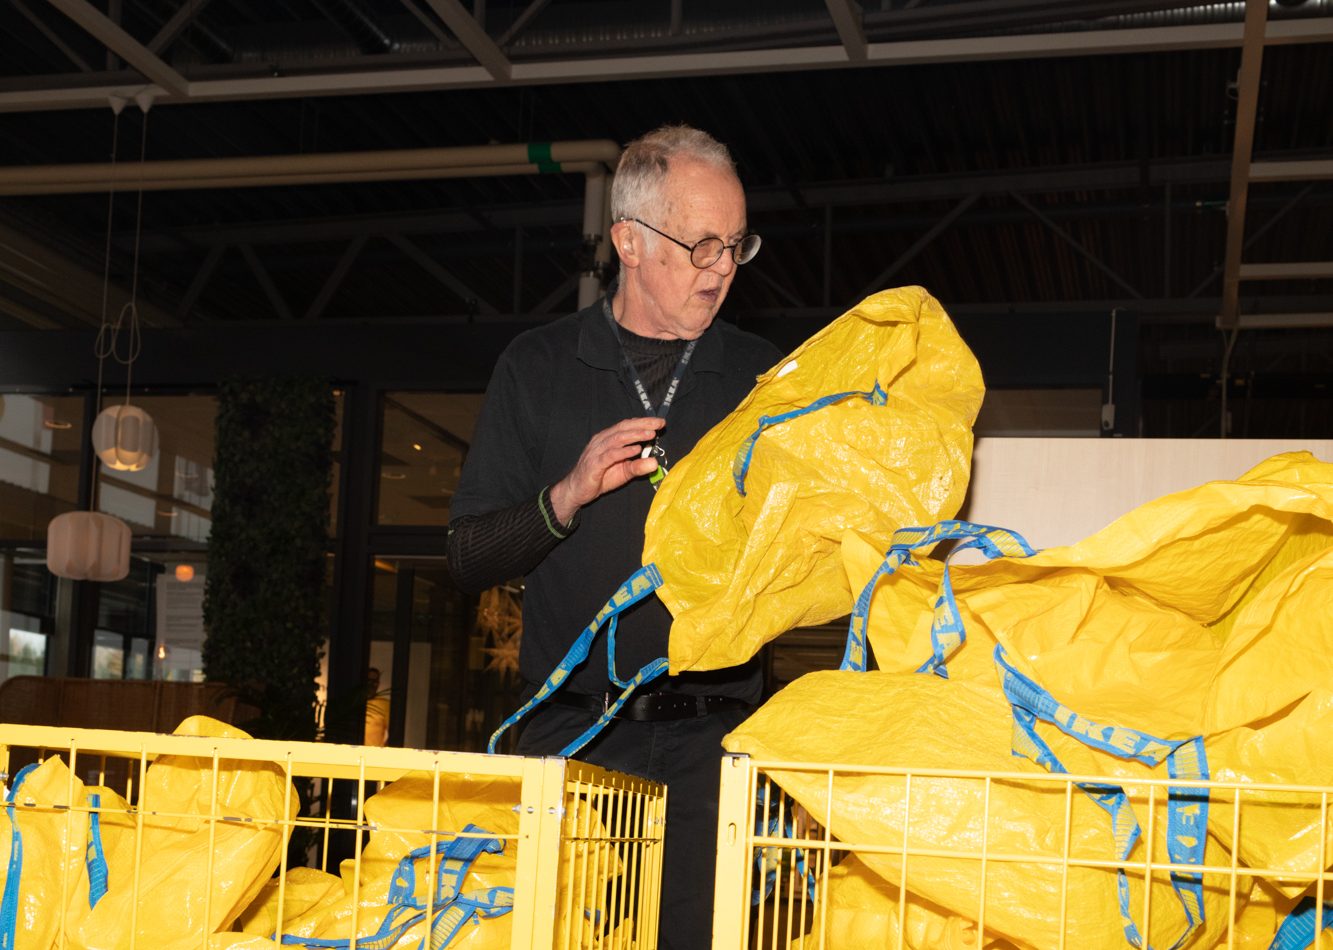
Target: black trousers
686, 755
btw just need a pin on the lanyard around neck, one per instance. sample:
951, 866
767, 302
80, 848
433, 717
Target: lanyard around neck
633, 374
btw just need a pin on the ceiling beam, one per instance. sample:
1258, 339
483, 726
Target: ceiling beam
1302, 270
428, 264
521, 22
1073, 242
125, 46
474, 39
935, 231
1284, 321
426, 20
52, 36
661, 66
846, 16
1109, 176
1310, 170
173, 27
336, 277
63, 286
270, 289
1247, 108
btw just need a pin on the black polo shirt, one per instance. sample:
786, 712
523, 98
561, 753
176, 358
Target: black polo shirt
553, 388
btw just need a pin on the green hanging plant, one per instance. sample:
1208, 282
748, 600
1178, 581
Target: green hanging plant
264, 593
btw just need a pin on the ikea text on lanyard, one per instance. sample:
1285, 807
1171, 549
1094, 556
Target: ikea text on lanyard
654, 449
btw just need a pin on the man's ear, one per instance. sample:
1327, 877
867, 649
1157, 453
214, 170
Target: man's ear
624, 240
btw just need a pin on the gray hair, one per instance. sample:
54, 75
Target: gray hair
645, 163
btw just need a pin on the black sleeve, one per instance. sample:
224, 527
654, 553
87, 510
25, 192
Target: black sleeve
486, 550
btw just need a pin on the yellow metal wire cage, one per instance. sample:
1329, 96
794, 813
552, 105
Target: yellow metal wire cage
784, 880
582, 845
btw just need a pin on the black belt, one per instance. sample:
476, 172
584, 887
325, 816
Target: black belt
651, 707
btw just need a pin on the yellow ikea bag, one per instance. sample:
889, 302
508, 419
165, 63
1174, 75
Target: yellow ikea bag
42, 854
299, 890
103, 873
1200, 614
861, 910
473, 848
1192, 631
386, 896
866, 426
185, 862
928, 722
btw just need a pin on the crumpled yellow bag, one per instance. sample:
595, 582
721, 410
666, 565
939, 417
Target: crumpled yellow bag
928, 723
866, 426
179, 849
891, 447
95, 847
1195, 627
1202, 613
388, 890
862, 911
43, 878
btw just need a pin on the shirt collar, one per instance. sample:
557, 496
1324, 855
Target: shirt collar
599, 348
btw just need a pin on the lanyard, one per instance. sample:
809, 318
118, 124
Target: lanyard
639, 388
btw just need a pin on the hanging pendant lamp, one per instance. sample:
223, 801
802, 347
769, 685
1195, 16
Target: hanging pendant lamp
125, 438
88, 546
92, 545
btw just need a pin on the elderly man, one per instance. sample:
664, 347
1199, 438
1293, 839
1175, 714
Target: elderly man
582, 419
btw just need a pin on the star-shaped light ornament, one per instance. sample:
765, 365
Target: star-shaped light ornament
500, 618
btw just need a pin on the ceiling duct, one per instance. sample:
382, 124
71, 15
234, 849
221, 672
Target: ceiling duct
357, 24
580, 31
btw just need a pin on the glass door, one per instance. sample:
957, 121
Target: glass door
440, 675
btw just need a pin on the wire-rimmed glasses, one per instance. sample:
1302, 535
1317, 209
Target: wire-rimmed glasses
705, 253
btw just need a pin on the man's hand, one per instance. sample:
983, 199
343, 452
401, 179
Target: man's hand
609, 460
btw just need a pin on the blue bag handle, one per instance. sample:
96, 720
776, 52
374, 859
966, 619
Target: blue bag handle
740, 466
1187, 808
492, 902
456, 859
946, 628
638, 586
94, 854
9, 903
1298, 928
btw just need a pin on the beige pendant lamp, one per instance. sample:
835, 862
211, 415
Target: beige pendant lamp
92, 545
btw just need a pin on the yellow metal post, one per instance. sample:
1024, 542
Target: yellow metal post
735, 813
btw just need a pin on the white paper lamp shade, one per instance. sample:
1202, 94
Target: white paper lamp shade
88, 546
124, 437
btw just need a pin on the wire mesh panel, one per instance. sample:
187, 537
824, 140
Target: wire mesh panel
127, 839
956, 858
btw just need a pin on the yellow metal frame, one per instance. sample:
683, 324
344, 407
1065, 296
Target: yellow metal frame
793, 912
577, 823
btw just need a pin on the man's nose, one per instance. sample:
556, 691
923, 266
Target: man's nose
725, 264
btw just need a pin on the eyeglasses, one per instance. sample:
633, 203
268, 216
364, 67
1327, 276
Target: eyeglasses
705, 253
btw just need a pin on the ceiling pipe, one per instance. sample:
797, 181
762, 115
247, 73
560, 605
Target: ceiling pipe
386, 165
593, 158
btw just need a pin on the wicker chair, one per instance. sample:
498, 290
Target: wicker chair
126, 705
134, 705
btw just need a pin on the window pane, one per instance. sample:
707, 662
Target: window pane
173, 496
39, 462
425, 437
108, 655
458, 688
178, 620
27, 614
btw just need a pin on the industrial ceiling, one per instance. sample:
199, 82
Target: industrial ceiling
1025, 160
